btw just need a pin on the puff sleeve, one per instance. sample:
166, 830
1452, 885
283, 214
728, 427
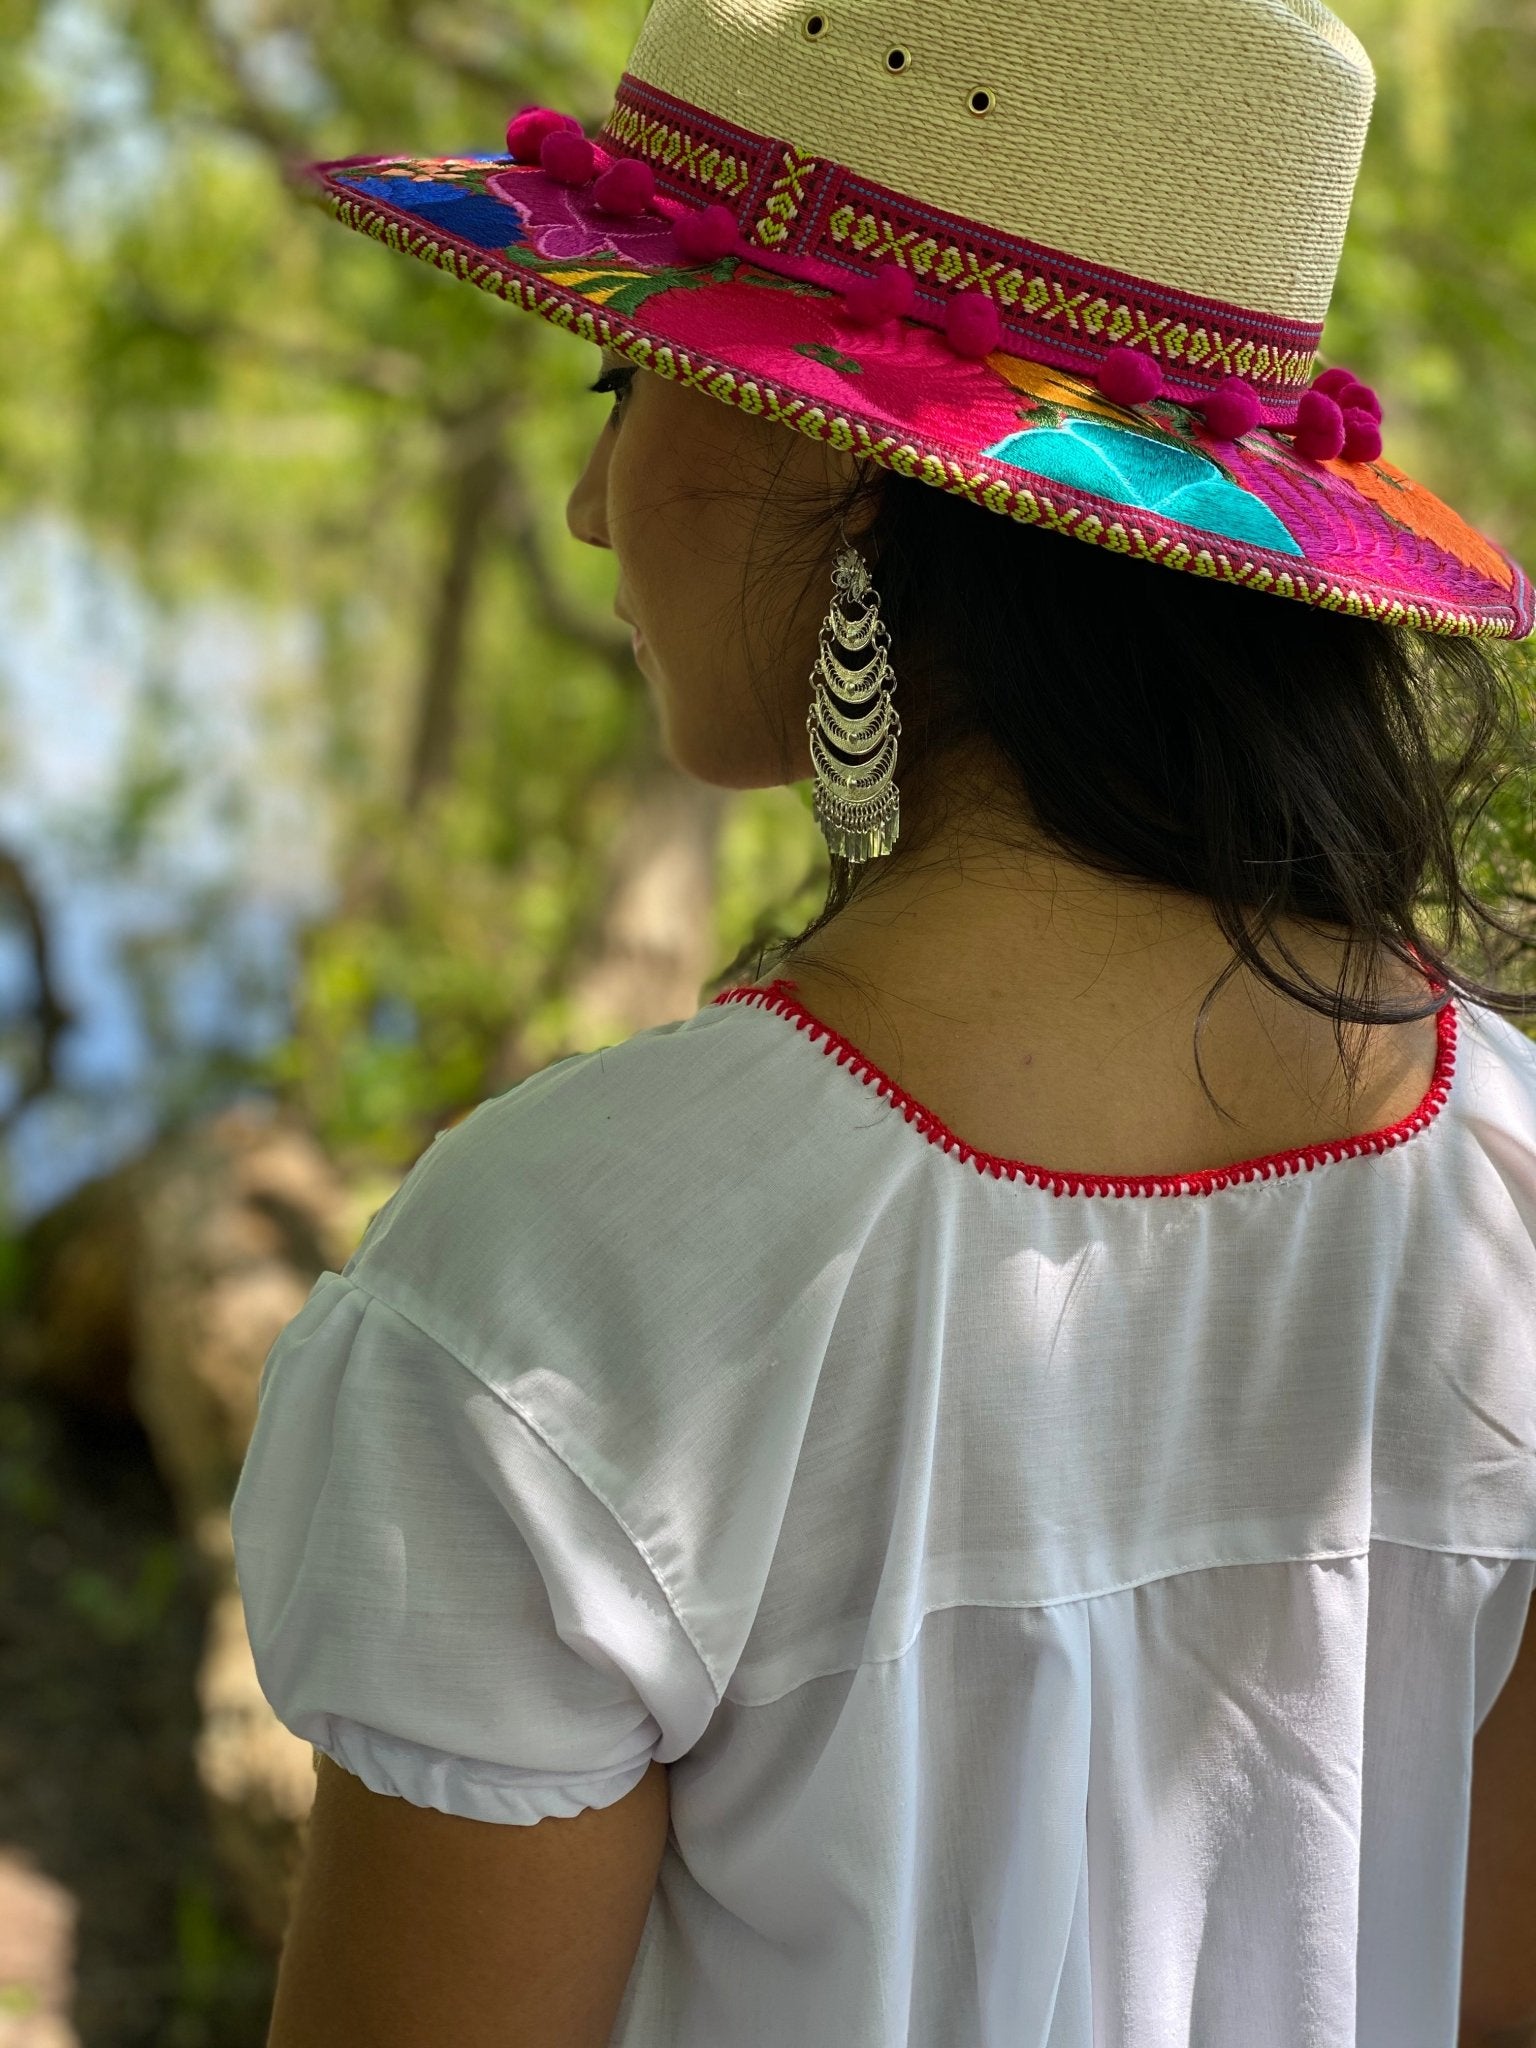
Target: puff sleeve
434, 1597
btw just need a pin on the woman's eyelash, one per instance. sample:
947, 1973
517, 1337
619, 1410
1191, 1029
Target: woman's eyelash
617, 381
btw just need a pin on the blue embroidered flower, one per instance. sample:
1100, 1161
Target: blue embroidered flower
483, 223
403, 191
1133, 469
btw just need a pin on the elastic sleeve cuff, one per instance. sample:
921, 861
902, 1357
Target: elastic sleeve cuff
475, 1791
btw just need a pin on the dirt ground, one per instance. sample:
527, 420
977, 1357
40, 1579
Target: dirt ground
116, 1929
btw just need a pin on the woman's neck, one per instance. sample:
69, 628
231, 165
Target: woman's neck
1022, 929
1049, 1013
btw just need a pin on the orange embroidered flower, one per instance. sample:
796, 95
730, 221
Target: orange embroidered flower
1424, 514
1056, 387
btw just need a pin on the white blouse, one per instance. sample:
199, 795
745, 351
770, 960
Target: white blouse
1065, 1603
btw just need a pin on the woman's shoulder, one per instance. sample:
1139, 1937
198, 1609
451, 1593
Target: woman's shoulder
639, 1096
609, 1158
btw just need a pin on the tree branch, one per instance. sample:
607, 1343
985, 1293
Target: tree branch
512, 76
475, 472
391, 372
53, 1016
505, 81
517, 521
250, 114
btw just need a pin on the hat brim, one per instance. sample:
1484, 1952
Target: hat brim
1038, 444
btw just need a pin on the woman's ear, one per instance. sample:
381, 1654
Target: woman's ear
865, 509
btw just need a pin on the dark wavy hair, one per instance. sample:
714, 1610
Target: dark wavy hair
1280, 761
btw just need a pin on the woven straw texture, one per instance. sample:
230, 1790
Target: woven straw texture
1210, 146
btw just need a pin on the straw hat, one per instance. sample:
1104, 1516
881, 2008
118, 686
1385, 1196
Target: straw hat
1070, 259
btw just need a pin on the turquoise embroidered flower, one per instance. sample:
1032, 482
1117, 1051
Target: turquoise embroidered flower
1133, 469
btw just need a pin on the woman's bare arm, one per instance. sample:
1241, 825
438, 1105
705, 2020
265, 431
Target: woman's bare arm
1498, 1976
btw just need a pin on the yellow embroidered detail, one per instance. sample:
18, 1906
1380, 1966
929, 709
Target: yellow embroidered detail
1047, 299
786, 196
996, 494
695, 157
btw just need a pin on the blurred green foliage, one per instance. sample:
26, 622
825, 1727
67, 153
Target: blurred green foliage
117, 1613
232, 395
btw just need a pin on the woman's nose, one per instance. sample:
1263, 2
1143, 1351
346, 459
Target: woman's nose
586, 510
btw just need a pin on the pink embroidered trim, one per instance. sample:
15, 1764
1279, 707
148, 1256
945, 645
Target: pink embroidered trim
821, 222
778, 998
1146, 536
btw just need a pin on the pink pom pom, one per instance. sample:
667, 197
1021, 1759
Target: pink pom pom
628, 186
526, 131
1332, 382
1232, 410
1360, 395
1362, 435
885, 294
900, 291
1319, 431
704, 236
1129, 378
570, 158
971, 325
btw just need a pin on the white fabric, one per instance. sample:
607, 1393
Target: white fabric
1066, 1618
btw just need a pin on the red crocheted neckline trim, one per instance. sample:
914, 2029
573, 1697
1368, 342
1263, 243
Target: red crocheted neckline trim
780, 998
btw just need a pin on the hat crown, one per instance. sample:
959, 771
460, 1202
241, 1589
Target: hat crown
1067, 259
1209, 147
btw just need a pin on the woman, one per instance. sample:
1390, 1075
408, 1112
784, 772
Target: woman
1048, 1003
980, 1492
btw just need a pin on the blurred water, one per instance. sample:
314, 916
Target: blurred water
159, 784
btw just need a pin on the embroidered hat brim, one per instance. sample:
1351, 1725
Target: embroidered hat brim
1027, 438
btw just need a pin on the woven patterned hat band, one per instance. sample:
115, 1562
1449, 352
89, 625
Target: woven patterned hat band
1175, 182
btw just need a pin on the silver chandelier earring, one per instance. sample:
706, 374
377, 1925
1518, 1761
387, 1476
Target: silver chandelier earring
856, 803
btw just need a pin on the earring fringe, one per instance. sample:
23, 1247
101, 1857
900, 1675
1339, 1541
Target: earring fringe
856, 804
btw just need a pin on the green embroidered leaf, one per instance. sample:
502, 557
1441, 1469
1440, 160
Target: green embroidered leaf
634, 291
619, 286
750, 274
820, 352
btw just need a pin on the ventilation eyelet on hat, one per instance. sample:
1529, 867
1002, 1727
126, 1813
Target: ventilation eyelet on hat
1292, 493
